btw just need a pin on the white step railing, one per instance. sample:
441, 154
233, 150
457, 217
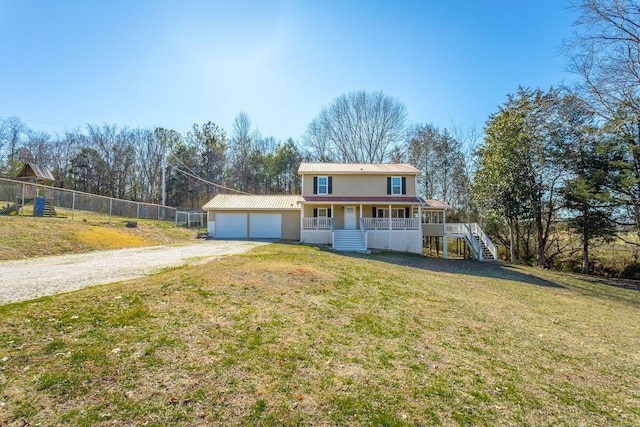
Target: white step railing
363, 230
475, 237
484, 238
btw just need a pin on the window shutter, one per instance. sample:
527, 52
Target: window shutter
329, 212
388, 185
315, 185
315, 212
329, 185
406, 211
404, 185
375, 211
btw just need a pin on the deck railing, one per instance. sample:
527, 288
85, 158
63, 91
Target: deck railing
320, 223
396, 223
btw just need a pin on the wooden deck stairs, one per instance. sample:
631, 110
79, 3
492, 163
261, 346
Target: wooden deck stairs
481, 246
49, 209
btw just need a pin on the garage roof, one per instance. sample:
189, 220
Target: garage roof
251, 202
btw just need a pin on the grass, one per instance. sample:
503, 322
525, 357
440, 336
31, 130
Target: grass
26, 237
293, 335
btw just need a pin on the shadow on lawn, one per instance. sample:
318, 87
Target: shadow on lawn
495, 270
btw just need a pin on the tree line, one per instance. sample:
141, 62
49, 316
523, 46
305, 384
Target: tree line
127, 163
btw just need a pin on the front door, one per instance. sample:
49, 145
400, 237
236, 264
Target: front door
350, 218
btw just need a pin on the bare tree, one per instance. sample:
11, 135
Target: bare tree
359, 127
12, 131
604, 52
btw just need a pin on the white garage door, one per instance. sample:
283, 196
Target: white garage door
231, 225
265, 226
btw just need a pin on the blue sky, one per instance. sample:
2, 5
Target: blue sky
64, 64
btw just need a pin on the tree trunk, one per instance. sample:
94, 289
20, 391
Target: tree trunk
541, 239
585, 253
512, 246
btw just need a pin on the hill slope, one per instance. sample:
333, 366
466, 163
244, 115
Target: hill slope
293, 335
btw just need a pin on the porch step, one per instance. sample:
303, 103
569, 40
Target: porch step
348, 241
486, 252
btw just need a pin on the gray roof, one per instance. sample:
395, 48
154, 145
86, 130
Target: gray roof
37, 171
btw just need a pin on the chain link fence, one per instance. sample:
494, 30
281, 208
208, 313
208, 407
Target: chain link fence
19, 198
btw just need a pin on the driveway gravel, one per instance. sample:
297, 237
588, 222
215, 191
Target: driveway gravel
33, 278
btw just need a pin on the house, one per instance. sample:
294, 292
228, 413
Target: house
352, 207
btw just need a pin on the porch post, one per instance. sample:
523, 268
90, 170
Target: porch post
444, 247
301, 220
389, 217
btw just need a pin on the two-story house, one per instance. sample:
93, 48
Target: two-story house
348, 206
360, 206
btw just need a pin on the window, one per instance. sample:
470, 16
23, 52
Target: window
322, 184
396, 185
322, 212
433, 217
397, 213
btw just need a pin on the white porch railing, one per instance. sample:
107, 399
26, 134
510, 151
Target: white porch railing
319, 223
396, 223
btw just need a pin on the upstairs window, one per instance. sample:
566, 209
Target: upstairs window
396, 185
322, 184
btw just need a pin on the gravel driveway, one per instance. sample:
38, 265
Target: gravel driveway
32, 278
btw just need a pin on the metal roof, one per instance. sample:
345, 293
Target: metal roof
433, 203
357, 168
251, 202
31, 170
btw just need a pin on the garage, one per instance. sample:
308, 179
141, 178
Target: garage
243, 216
265, 226
231, 225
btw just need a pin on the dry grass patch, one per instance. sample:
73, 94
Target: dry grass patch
291, 335
26, 237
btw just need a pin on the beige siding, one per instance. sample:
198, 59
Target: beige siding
291, 225
433, 230
359, 185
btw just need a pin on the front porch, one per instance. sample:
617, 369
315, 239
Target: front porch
352, 227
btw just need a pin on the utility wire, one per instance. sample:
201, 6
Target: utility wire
192, 175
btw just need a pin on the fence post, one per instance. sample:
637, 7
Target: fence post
22, 212
73, 204
110, 203
138, 210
